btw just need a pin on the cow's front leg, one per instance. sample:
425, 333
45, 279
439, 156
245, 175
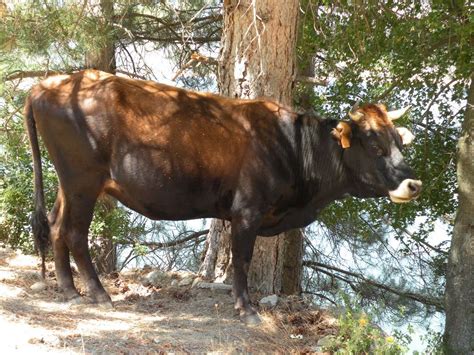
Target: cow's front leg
243, 241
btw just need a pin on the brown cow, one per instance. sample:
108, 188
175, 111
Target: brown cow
173, 154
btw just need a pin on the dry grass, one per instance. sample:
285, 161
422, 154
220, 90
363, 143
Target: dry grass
145, 319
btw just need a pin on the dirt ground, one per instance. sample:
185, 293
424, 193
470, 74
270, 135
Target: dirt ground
145, 320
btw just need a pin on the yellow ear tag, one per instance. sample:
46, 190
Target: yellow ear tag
345, 132
345, 142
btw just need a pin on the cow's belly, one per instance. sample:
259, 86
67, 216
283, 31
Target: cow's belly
160, 194
165, 201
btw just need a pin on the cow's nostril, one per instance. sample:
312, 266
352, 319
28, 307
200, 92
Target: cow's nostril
414, 187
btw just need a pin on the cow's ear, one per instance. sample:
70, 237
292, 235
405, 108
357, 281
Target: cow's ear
407, 136
343, 133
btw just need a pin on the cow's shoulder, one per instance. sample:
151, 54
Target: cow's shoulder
266, 110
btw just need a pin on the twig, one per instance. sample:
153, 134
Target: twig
320, 295
421, 241
132, 75
311, 80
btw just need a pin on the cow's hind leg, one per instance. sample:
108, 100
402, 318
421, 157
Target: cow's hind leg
61, 253
78, 211
243, 241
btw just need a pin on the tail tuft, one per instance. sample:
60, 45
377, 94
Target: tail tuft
40, 225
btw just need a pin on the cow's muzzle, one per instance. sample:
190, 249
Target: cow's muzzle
408, 190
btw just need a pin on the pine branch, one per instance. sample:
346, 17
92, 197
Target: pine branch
37, 73
206, 39
172, 243
163, 21
320, 295
45, 73
426, 244
429, 301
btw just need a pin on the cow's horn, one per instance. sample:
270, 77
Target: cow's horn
393, 115
355, 115
355, 106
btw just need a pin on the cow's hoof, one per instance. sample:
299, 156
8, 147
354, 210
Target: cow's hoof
70, 294
250, 318
91, 302
102, 301
101, 297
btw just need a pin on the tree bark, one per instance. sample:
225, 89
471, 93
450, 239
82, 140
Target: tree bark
257, 60
217, 264
103, 57
459, 328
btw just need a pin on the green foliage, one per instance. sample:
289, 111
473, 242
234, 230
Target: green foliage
109, 220
140, 250
434, 343
144, 235
357, 335
51, 34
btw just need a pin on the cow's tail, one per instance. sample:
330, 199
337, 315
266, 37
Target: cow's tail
39, 220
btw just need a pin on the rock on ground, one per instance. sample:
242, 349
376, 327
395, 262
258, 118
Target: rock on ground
269, 301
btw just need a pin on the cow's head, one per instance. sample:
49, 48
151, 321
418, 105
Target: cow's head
373, 154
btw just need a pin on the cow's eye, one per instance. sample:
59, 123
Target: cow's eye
377, 149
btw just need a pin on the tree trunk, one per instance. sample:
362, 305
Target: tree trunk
218, 259
103, 57
258, 60
103, 250
459, 329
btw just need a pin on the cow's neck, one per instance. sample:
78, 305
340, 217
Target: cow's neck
320, 179
324, 178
